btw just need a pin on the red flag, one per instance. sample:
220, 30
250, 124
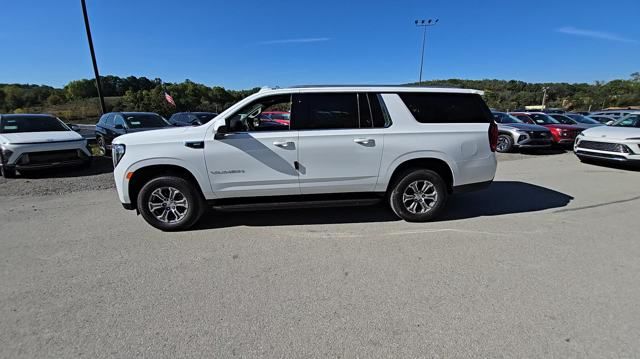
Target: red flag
169, 99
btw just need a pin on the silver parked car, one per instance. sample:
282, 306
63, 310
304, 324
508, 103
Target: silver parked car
514, 133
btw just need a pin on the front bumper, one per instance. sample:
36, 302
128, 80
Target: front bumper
46, 155
609, 157
621, 151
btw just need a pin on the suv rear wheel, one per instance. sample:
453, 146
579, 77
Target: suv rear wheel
170, 203
418, 196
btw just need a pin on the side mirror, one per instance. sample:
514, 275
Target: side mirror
221, 133
118, 127
235, 124
74, 127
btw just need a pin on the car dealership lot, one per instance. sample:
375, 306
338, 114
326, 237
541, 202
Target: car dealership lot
544, 263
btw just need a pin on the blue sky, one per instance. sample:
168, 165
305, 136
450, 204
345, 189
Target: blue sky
248, 43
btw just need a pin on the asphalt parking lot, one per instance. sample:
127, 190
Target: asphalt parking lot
544, 263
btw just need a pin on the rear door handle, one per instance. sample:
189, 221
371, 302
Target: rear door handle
364, 141
282, 143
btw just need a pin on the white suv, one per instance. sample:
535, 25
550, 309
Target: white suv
410, 146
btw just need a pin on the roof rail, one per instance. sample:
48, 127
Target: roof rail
360, 85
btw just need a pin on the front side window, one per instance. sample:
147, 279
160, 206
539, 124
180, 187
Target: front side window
429, 107
16, 124
145, 120
257, 115
324, 111
119, 121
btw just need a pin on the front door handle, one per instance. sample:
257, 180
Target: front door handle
283, 143
365, 141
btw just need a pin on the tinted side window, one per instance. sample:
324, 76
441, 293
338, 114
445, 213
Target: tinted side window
447, 107
119, 121
326, 111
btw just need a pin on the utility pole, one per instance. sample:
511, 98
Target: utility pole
544, 97
424, 24
93, 56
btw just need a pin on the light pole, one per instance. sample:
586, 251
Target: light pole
544, 96
93, 56
424, 24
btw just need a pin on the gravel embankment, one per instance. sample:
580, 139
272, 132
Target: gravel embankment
61, 181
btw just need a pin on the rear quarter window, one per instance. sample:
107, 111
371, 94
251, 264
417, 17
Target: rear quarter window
447, 107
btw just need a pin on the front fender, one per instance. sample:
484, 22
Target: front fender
199, 174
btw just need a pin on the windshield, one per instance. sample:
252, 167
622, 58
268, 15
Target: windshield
584, 119
505, 118
628, 121
15, 124
145, 120
542, 119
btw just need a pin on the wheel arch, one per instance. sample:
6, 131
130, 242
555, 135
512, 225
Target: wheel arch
142, 175
437, 165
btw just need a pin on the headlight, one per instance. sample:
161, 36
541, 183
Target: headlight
117, 152
6, 154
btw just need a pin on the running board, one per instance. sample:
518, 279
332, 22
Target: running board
296, 204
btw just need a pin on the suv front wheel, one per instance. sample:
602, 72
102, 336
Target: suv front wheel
170, 203
418, 196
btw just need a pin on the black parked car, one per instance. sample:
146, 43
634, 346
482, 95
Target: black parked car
191, 118
114, 124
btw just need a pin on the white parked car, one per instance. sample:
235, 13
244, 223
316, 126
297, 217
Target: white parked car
409, 146
29, 142
619, 142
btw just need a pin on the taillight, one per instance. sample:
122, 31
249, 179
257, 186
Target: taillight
493, 136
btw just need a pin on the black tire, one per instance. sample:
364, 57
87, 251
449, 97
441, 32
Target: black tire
505, 143
102, 145
403, 186
8, 171
187, 191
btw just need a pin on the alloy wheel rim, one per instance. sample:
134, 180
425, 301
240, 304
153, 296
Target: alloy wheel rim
420, 197
502, 144
168, 204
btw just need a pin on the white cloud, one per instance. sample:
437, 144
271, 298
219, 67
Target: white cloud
295, 41
602, 35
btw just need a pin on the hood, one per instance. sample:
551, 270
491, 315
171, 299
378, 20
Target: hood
524, 126
615, 133
39, 137
165, 134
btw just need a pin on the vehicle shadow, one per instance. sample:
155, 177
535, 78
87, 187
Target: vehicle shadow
542, 151
502, 197
99, 165
612, 165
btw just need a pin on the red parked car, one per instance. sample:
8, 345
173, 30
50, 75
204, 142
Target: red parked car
281, 117
562, 134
